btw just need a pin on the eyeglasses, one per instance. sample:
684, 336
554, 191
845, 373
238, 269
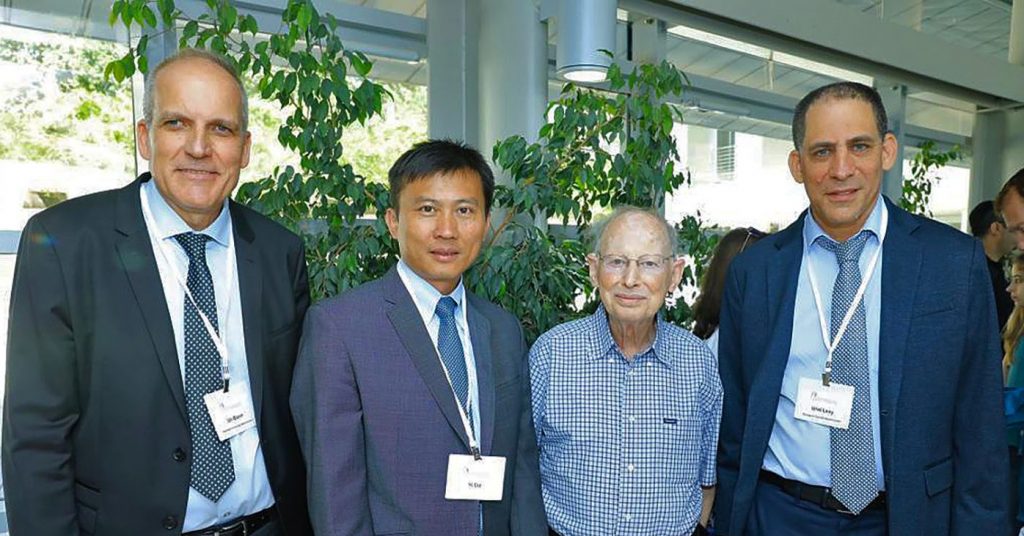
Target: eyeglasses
647, 264
757, 234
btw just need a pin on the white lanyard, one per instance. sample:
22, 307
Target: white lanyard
831, 346
474, 447
218, 340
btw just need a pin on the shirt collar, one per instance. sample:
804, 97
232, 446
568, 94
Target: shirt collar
425, 296
605, 342
169, 223
873, 224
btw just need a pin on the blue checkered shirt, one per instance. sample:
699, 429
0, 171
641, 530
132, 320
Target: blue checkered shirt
624, 446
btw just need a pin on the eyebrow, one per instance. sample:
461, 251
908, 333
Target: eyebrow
166, 116
864, 138
467, 200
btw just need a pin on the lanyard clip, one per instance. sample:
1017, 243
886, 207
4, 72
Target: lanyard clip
826, 377
476, 452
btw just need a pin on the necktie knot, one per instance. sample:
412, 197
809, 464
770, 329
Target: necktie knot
845, 252
194, 245
446, 308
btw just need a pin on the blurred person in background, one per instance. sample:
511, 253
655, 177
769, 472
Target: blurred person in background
712, 285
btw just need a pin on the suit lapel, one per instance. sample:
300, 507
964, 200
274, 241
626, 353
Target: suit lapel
901, 267
136, 254
250, 289
410, 330
780, 284
480, 334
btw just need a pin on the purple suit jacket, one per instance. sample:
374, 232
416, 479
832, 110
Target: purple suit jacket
377, 419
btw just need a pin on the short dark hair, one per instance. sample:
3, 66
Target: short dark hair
982, 217
1016, 184
838, 90
431, 157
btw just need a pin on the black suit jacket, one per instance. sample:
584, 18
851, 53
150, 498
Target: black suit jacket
95, 433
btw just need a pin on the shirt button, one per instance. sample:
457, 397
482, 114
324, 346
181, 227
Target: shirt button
630, 373
629, 517
632, 418
631, 468
170, 522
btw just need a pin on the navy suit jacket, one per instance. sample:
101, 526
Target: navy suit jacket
377, 418
939, 381
95, 432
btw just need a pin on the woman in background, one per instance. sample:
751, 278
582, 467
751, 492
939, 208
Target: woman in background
1013, 372
709, 303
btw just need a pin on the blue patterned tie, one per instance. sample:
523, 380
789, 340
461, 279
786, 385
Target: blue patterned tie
212, 467
853, 449
450, 347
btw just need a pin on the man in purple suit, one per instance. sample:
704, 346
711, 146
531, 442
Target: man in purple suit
411, 394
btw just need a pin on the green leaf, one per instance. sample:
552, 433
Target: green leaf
360, 63
148, 17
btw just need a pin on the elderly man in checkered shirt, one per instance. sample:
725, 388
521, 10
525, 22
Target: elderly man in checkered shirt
627, 406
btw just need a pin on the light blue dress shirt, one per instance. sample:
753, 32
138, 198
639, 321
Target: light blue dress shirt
250, 492
800, 450
425, 296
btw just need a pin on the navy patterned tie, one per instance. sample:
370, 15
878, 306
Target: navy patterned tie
853, 449
450, 347
212, 467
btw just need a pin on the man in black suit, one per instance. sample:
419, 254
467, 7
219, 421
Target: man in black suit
153, 332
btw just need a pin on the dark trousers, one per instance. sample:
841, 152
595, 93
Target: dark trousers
777, 513
699, 531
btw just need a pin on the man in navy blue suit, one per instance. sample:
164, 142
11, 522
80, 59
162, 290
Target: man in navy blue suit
859, 357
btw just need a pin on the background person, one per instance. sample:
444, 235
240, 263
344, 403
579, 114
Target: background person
1013, 366
997, 241
709, 303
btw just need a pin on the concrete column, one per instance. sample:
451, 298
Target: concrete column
1013, 148
1016, 55
452, 89
513, 68
988, 140
894, 97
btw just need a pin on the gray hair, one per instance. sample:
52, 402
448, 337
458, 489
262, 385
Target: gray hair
621, 211
192, 53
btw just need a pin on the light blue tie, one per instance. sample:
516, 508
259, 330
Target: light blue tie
853, 449
212, 468
450, 347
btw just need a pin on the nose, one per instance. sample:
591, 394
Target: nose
447, 226
842, 164
631, 276
197, 145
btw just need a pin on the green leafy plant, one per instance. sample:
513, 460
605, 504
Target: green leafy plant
325, 88
600, 148
917, 188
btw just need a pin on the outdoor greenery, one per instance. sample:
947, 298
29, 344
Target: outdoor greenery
917, 188
601, 148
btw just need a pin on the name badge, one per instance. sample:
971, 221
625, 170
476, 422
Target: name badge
826, 405
230, 412
470, 479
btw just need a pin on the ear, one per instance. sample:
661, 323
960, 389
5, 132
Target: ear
889, 147
246, 148
795, 167
391, 217
142, 139
677, 273
592, 261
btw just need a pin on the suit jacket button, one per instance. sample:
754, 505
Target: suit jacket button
170, 522
178, 455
